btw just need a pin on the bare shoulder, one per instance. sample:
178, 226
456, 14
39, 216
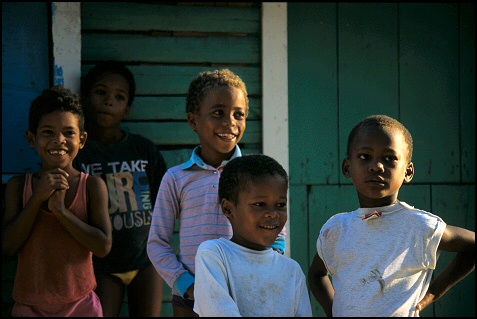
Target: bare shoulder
15, 185
457, 239
93, 182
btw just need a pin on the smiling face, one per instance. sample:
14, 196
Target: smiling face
378, 165
260, 212
108, 102
220, 123
57, 139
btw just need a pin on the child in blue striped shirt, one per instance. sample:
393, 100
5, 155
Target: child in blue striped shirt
217, 108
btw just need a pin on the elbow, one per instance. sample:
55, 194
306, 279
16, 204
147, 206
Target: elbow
105, 247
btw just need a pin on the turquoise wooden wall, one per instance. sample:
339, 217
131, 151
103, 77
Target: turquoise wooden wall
415, 62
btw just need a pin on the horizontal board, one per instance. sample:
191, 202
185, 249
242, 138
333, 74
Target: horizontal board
149, 48
180, 133
128, 16
175, 79
173, 108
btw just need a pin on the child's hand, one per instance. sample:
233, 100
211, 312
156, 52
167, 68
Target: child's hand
426, 301
190, 293
50, 181
56, 202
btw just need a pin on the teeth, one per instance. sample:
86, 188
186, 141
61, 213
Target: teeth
269, 227
230, 136
60, 152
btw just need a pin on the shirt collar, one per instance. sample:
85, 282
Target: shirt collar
195, 158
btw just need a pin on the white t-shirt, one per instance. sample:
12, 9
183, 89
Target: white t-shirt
380, 266
232, 281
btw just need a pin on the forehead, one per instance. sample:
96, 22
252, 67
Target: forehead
224, 95
380, 134
59, 118
112, 79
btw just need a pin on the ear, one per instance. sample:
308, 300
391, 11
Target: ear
83, 138
30, 137
227, 207
345, 168
409, 174
127, 111
191, 120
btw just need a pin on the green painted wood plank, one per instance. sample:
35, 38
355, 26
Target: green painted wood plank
150, 48
456, 205
368, 65
173, 108
429, 86
180, 133
467, 89
175, 79
418, 196
126, 16
312, 84
298, 229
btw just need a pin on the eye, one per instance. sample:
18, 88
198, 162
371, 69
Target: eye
363, 156
239, 115
390, 158
99, 92
259, 204
46, 132
282, 205
120, 97
69, 133
218, 112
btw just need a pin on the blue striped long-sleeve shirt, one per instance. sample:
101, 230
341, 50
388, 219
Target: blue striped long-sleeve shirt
188, 195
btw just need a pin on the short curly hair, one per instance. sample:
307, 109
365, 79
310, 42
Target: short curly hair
249, 168
381, 120
208, 80
56, 98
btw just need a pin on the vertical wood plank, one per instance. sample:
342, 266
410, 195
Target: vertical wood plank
429, 85
312, 100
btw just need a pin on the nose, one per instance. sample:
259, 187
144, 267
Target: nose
108, 99
376, 166
229, 120
60, 138
271, 213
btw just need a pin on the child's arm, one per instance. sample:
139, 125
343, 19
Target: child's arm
454, 239
159, 243
320, 285
96, 234
18, 221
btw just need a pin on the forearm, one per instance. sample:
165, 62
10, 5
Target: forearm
460, 267
89, 236
323, 291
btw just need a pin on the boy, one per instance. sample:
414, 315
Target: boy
57, 217
243, 276
382, 255
217, 108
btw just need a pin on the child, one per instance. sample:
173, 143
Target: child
132, 167
56, 218
243, 276
382, 255
217, 108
